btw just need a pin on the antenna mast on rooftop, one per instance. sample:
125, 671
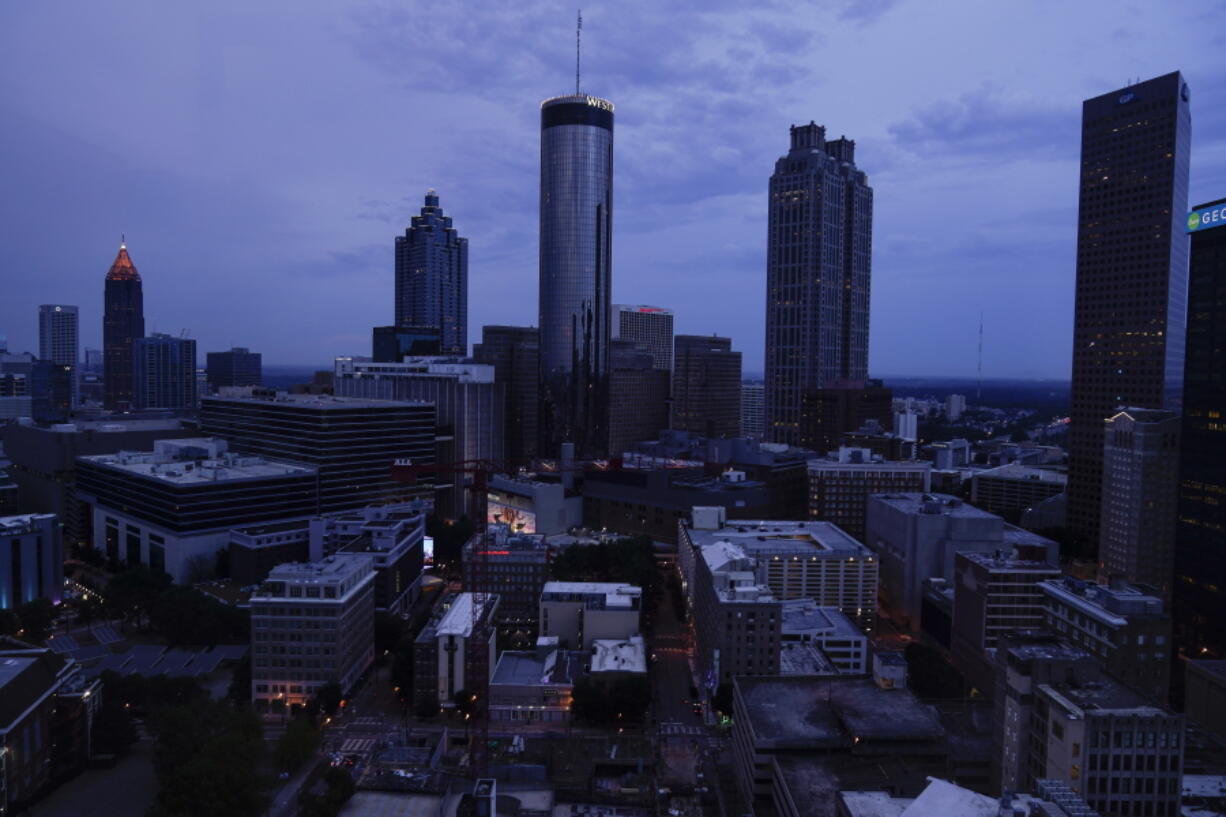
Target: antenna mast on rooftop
578, 33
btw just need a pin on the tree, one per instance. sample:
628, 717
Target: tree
425, 709
389, 628
113, 730
930, 675
184, 615
132, 593
328, 698
36, 619
723, 699
240, 682
296, 744
465, 702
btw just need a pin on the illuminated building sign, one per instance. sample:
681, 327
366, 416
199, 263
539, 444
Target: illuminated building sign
427, 550
499, 508
1207, 217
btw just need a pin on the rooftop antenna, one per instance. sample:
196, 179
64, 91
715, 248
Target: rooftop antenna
578, 33
979, 368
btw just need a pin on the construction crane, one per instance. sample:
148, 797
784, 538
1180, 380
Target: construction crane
409, 472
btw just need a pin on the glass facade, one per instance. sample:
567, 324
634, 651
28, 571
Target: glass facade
1132, 272
818, 267
575, 273
123, 321
432, 277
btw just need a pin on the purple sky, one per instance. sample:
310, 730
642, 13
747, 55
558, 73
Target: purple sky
261, 157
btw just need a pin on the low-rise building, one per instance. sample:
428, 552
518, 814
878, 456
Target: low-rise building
311, 624
578, 613
917, 534
826, 631
840, 485
798, 741
391, 536
31, 559
173, 508
534, 686
614, 658
533, 503
994, 593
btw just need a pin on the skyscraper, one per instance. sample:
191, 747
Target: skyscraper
638, 396
515, 354
706, 386
1200, 543
575, 273
1132, 257
163, 372
818, 265
123, 320
432, 277
238, 367
648, 326
58, 335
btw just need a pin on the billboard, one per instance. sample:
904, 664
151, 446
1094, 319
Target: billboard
427, 551
513, 510
1207, 217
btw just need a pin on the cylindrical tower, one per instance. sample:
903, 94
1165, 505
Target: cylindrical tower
123, 321
575, 273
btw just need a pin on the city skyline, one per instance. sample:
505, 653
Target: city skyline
314, 209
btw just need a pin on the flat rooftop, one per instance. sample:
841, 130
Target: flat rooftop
319, 402
945, 504
1100, 696
778, 538
526, 668
1004, 561
12, 666
328, 570
1214, 668
300, 525
458, 620
22, 523
1015, 471
796, 658
803, 713
1110, 605
189, 472
615, 594
619, 655
804, 616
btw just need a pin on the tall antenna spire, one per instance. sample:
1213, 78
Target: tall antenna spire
979, 388
578, 33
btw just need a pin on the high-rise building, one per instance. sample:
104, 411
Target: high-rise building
648, 326
706, 386
164, 372
238, 367
638, 396
1200, 548
59, 339
576, 247
352, 442
841, 407
51, 387
123, 321
392, 344
1140, 496
31, 559
1132, 258
514, 566
955, 405
840, 485
515, 354
818, 265
753, 423
432, 277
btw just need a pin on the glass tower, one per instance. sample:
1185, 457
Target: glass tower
1132, 273
123, 321
818, 266
432, 277
575, 273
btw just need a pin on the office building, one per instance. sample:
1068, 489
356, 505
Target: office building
994, 593
352, 442
816, 640
906, 425
392, 344
576, 262
1204, 691
468, 402
819, 257
1023, 661
840, 485
8, 493
797, 741
51, 388
514, 567
432, 277
950, 454
93, 360
238, 367
164, 372
955, 406
1140, 494
31, 559
1124, 626
515, 354
172, 508
311, 624
1128, 325
578, 613
638, 396
123, 321
753, 408
706, 386
1011, 490
841, 407
47, 710
916, 536
1200, 548
456, 650
648, 326
59, 339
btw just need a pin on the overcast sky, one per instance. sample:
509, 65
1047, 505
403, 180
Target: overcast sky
261, 157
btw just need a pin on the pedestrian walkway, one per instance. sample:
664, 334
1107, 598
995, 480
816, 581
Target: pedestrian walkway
357, 746
673, 728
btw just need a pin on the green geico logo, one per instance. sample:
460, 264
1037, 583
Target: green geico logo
1193, 221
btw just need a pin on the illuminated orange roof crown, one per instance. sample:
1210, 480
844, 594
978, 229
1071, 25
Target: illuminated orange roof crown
123, 269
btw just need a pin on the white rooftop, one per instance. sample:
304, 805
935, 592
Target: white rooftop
767, 537
195, 461
619, 654
458, 620
616, 594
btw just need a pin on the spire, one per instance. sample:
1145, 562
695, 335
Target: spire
123, 269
